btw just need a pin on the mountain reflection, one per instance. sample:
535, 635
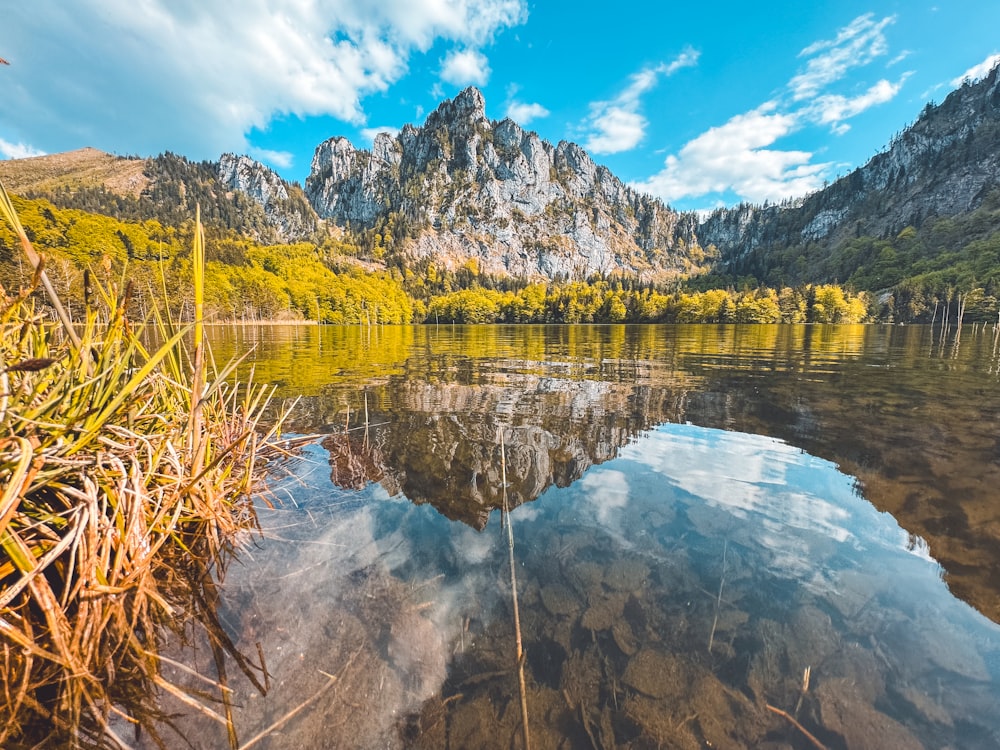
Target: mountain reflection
912, 413
439, 443
704, 517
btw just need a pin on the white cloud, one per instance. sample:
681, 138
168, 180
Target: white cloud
735, 156
10, 150
833, 109
615, 129
279, 159
978, 71
369, 133
899, 58
196, 77
523, 113
738, 157
464, 67
855, 45
617, 125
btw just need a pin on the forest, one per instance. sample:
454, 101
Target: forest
342, 279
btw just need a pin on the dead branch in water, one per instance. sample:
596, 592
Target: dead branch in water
513, 590
794, 722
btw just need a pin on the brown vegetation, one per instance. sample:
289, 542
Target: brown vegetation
128, 479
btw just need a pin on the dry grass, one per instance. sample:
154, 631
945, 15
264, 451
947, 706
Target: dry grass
127, 478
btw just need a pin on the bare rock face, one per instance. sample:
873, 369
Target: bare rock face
254, 179
465, 187
285, 208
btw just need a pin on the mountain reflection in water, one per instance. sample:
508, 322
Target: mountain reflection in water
675, 579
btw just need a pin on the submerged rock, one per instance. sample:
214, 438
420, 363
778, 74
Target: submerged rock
844, 711
418, 653
626, 575
604, 611
559, 600
658, 674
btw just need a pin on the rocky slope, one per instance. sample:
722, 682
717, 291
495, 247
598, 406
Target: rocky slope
462, 186
285, 207
944, 164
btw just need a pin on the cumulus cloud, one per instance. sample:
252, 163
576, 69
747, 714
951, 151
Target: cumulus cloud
833, 109
196, 77
617, 125
977, 71
464, 67
855, 45
736, 156
524, 113
10, 150
615, 129
742, 155
279, 159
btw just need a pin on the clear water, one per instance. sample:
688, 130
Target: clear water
723, 537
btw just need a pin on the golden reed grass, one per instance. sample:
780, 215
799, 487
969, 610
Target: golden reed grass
127, 474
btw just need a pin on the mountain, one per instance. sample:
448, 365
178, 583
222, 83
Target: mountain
463, 187
463, 191
285, 207
946, 164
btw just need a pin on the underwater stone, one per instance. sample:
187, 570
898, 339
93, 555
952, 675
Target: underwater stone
559, 600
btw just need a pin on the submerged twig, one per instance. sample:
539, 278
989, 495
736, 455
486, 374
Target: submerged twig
794, 722
806, 673
513, 590
718, 599
331, 681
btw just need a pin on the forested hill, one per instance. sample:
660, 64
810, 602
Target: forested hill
167, 188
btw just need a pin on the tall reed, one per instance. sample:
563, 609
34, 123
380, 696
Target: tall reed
128, 473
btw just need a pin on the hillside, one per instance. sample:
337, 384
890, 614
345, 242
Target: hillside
83, 168
167, 188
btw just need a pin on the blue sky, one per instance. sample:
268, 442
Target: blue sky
701, 104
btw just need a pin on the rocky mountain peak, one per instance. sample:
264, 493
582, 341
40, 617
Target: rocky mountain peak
261, 183
286, 211
470, 188
467, 108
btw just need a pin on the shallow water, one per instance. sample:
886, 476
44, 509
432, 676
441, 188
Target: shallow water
724, 537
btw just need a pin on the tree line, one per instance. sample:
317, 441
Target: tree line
343, 281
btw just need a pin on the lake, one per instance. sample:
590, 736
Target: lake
724, 536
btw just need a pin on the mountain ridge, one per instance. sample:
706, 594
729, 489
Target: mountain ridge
944, 164
462, 189
465, 187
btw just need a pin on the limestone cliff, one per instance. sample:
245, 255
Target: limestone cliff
462, 186
284, 205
